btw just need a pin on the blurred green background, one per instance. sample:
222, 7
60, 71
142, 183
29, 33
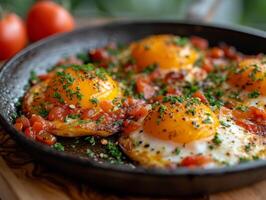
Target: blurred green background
245, 12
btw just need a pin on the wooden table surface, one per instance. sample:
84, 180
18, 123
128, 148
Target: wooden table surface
21, 178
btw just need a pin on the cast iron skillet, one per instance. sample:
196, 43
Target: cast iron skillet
124, 178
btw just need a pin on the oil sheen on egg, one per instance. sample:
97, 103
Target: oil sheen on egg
169, 52
223, 141
249, 75
77, 85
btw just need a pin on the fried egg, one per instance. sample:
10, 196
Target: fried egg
74, 86
169, 52
246, 84
181, 130
250, 75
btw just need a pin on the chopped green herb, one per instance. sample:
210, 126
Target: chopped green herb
216, 140
114, 151
57, 96
180, 41
173, 99
149, 69
59, 147
207, 120
94, 100
242, 108
84, 57
90, 153
254, 94
176, 151
248, 148
43, 112
91, 140
33, 77
223, 123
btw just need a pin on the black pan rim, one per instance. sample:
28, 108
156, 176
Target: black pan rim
120, 168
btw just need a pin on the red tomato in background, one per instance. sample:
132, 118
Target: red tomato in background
47, 18
13, 35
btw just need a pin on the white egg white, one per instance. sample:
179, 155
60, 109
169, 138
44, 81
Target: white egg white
232, 145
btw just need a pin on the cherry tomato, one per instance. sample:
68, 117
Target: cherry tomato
46, 18
199, 94
130, 126
13, 35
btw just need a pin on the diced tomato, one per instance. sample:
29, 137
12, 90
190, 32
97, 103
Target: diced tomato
138, 112
106, 106
29, 133
38, 127
87, 113
258, 115
18, 126
207, 65
216, 52
46, 138
24, 121
225, 110
99, 55
229, 52
173, 77
253, 120
195, 161
199, 94
57, 113
173, 91
144, 87
199, 42
253, 114
44, 77
252, 127
129, 102
130, 126
155, 75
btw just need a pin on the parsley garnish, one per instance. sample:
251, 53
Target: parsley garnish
33, 77
113, 150
216, 140
90, 153
254, 94
180, 41
94, 100
59, 147
176, 151
91, 140
149, 69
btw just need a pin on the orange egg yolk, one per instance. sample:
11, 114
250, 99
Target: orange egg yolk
167, 51
181, 122
82, 85
250, 75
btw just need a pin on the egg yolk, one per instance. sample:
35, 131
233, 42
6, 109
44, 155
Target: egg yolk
181, 122
250, 75
167, 51
82, 85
